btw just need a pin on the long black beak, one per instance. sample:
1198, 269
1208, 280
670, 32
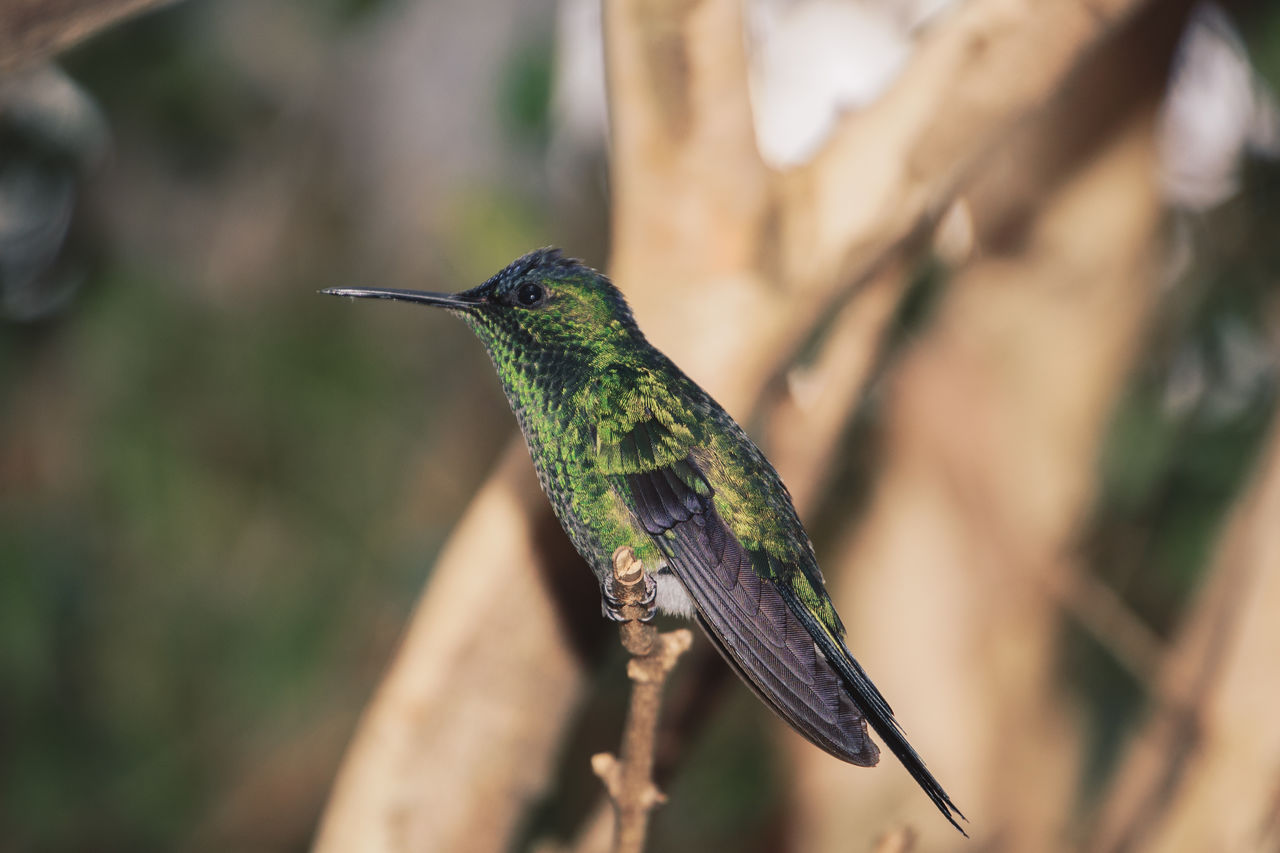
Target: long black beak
442, 300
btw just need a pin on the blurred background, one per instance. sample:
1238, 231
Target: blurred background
221, 494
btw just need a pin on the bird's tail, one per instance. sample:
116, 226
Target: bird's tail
875, 708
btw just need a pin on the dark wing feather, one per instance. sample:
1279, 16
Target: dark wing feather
770, 639
746, 617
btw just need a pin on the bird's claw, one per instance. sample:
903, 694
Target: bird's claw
611, 605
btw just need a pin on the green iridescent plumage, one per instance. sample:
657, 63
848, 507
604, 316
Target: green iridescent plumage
632, 452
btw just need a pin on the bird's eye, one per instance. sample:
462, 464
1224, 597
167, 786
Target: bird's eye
530, 295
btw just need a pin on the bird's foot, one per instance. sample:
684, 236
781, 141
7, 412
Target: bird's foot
611, 605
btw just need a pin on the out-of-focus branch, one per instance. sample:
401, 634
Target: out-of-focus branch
806, 422
769, 252
684, 174
1203, 773
462, 733
993, 423
31, 30
629, 780
977, 75
1100, 611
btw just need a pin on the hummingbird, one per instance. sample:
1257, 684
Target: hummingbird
632, 452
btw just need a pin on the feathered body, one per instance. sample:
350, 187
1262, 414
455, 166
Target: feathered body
632, 452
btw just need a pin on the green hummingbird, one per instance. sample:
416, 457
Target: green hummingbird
633, 452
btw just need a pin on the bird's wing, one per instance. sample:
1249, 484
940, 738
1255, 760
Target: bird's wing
770, 620
742, 610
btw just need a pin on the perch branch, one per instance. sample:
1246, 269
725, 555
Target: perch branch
629, 780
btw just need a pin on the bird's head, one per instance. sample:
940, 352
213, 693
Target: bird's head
541, 305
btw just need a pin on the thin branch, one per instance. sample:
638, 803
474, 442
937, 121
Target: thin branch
629, 781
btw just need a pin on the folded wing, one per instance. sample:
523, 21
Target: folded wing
795, 663
742, 612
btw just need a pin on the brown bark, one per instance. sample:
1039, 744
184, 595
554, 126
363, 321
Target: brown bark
987, 468
955, 582
461, 734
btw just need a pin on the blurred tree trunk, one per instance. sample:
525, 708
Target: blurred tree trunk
950, 585
993, 427
729, 267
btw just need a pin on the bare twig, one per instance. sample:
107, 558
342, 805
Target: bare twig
653, 656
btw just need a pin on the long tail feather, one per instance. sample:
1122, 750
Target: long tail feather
876, 709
